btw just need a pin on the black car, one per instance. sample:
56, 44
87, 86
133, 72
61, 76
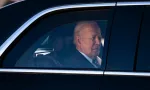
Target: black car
33, 32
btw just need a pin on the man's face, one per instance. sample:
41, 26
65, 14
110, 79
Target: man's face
90, 41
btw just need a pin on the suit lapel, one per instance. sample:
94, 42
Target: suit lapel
81, 61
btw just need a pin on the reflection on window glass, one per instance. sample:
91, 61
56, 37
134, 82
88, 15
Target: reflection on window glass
73, 45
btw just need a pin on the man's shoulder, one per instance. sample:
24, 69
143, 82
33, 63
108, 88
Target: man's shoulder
76, 60
75, 54
73, 57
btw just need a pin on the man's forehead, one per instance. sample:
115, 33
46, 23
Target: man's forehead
91, 30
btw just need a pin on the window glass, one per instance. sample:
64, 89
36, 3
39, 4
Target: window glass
123, 40
54, 49
143, 59
70, 40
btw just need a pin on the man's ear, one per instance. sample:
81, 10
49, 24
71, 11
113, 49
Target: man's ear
78, 40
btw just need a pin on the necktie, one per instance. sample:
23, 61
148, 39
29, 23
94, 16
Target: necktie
95, 62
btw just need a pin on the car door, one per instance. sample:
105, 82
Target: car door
36, 38
128, 55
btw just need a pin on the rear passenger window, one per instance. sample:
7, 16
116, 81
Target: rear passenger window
123, 39
69, 39
143, 56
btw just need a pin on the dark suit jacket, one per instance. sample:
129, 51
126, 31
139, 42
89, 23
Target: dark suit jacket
76, 60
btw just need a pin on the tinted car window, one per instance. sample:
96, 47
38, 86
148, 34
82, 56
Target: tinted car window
123, 38
143, 63
49, 42
55, 44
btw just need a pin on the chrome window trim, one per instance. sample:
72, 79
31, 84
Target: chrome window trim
6, 44
46, 71
117, 73
133, 3
11, 4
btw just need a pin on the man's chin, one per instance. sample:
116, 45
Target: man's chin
96, 54
96, 51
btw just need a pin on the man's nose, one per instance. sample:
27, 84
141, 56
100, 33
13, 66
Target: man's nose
98, 41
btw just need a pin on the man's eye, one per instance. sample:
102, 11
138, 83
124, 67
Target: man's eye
93, 38
99, 38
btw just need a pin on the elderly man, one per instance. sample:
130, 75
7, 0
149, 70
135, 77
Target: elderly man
87, 40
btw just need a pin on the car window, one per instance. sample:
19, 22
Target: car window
71, 39
123, 40
143, 63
